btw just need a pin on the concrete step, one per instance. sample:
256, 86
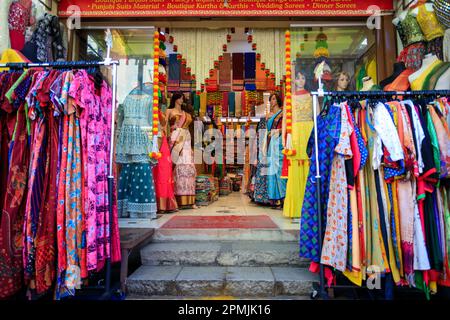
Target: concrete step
223, 253
217, 281
226, 234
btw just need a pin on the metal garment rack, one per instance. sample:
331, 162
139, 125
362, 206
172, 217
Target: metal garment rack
108, 62
356, 95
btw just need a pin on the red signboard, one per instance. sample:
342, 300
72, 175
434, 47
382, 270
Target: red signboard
220, 8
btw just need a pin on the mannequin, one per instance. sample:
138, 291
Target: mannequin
342, 81
298, 163
4, 34
399, 67
416, 79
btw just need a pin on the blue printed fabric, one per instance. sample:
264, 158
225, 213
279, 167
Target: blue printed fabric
329, 129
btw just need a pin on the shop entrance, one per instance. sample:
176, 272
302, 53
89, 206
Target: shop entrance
226, 217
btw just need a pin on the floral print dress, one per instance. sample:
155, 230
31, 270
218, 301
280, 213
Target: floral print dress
335, 244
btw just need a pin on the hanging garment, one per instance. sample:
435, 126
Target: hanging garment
212, 83
54, 235
20, 17
276, 185
238, 72
46, 43
231, 99
298, 164
225, 104
261, 195
185, 79
250, 71
261, 81
183, 159
225, 73
329, 127
334, 250
11, 226
173, 82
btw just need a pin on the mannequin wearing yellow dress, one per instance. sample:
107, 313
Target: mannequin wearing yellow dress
302, 125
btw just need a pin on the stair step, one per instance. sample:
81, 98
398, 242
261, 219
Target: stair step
266, 235
195, 281
222, 253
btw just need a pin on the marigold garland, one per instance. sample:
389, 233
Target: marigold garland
288, 151
155, 154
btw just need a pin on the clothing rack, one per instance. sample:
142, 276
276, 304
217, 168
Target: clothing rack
357, 95
108, 62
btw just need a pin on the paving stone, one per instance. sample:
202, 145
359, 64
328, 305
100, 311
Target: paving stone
153, 280
180, 253
249, 281
293, 281
201, 281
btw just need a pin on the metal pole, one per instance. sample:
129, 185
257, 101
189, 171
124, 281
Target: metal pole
111, 180
318, 197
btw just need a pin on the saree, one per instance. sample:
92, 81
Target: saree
183, 159
276, 185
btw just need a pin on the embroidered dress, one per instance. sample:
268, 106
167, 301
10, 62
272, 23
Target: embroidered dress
260, 194
19, 19
334, 250
329, 128
137, 198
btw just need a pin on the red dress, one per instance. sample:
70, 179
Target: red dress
163, 177
19, 19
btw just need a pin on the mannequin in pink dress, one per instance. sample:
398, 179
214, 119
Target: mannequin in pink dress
20, 17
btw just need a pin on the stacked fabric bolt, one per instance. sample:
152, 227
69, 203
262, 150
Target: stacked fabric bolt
202, 190
214, 188
251, 99
225, 186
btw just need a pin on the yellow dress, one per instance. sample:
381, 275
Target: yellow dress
302, 125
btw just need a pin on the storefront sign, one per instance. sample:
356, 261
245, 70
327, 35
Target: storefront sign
201, 8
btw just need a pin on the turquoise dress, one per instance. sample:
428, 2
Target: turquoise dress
276, 186
136, 194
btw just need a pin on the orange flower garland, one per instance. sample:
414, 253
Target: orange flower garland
288, 151
155, 154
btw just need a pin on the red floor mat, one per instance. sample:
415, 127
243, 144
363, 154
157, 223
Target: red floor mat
220, 222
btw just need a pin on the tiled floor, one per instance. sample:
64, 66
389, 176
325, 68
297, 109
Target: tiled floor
234, 204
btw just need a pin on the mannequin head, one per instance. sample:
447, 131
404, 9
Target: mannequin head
342, 81
300, 81
176, 101
275, 102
